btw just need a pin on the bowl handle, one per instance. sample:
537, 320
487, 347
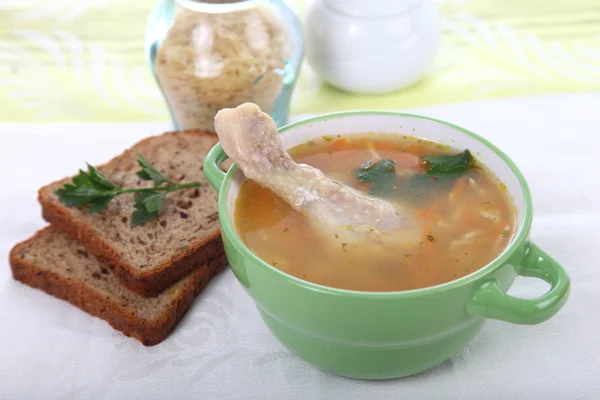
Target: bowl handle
491, 302
212, 172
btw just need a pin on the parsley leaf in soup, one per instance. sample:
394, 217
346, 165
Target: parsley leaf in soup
442, 171
381, 174
449, 165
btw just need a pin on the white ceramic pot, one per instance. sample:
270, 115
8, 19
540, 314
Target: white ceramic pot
371, 46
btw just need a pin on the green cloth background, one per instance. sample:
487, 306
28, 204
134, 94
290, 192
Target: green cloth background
82, 60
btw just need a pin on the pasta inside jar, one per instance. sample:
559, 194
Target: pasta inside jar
214, 60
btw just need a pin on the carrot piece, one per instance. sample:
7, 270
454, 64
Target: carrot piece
500, 230
429, 213
424, 214
414, 149
339, 144
263, 196
468, 219
459, 188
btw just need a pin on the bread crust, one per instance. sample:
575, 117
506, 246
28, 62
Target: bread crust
148, 283
148, 332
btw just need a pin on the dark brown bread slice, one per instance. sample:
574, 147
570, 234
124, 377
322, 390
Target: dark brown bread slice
53, 262
149, 258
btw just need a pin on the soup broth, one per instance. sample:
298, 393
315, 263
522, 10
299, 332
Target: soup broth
467, 217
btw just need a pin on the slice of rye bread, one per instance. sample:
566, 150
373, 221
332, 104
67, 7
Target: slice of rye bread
58, 265
149, 258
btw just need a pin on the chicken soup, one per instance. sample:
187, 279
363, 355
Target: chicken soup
464, 215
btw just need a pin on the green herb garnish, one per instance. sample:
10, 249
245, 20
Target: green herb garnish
149, 173
382, 175
94, 190
441, 171
449, 165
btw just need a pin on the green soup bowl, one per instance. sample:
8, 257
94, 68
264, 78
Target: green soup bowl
375, 335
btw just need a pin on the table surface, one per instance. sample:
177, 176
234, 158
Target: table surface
82, 60
222, 350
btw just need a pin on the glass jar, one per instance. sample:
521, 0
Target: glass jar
211, 54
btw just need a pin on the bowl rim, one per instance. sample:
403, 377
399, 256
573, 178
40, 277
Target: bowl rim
518, 241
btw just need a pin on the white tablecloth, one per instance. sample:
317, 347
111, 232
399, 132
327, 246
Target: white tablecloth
222, 350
